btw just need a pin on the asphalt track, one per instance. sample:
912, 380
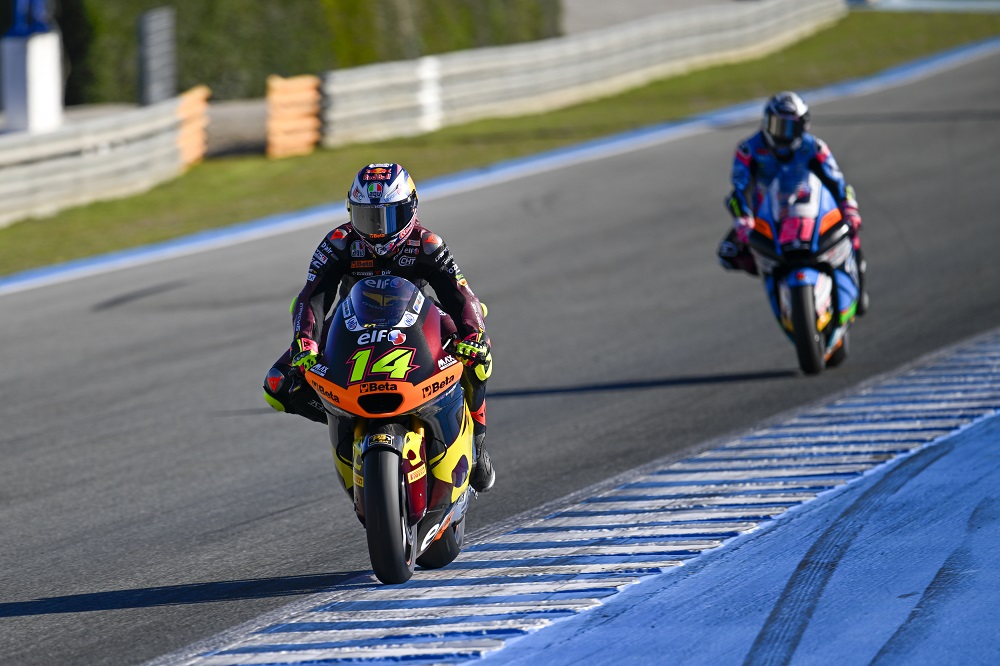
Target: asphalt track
150, 499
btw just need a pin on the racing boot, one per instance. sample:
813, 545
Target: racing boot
483, 476
735, 255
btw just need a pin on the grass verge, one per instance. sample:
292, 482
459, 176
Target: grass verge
229, 190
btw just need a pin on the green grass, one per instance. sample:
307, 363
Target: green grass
229, 190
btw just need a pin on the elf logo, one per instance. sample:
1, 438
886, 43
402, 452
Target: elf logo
372, 337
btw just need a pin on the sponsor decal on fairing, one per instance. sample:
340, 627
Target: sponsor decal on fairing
371, 337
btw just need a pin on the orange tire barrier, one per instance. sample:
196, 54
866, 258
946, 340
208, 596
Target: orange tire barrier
192, 139
293, 115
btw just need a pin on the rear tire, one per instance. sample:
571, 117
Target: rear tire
390, 538
808, 342
444, 551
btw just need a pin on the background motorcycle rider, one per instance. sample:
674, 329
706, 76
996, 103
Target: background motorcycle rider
383, 237
783, 140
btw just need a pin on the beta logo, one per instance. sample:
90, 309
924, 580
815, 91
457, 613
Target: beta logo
376, 387
371, 337
437, 387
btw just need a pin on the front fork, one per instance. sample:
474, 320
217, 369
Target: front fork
408, 443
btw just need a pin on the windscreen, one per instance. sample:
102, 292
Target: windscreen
381, 301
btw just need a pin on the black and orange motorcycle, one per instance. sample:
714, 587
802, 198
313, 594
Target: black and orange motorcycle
387, 366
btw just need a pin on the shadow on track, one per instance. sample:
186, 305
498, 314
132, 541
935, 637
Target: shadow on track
647, 384
173, 595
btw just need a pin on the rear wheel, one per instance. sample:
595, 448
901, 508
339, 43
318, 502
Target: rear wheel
443, 551
390, 538
808, 342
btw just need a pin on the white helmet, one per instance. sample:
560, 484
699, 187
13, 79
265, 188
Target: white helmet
383, 206
786, 119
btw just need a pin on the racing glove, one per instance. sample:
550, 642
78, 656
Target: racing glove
744, 225
850, 212
742, 220
305, 353
474, 352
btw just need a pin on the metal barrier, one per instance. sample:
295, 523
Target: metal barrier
102, 158
411, 97
129, 152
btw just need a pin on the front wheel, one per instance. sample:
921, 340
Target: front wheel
808, 342
390, 538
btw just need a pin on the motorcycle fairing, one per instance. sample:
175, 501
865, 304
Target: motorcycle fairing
451, 467
797, 212
391, 370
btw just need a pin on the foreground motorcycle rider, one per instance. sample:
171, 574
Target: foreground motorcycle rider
383, 237
783, 141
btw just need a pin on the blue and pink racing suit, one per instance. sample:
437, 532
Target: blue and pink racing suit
755, 165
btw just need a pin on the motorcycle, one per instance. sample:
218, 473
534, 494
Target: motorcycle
805, 254
386, 365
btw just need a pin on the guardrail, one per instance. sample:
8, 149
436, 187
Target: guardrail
101, 158
411, 97
129, 152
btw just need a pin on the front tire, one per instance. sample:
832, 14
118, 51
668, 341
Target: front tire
390, 538
808, 342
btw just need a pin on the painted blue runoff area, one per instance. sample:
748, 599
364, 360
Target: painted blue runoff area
902, 567
334, 213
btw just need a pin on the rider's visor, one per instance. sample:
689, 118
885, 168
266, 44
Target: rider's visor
383, 219
783, 129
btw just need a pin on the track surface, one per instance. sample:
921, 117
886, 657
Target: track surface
150, 499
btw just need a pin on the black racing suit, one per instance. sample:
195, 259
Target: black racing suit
340, 261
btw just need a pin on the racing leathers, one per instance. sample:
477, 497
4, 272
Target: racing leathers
755, 165
341, 260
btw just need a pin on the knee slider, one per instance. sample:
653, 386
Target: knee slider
276, 386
